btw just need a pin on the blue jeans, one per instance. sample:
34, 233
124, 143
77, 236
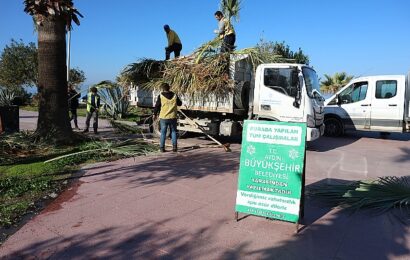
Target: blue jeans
172, 124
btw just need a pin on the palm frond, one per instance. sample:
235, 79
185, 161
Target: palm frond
42, 9
6, 96
207, 49
382, 195
124, 128
143, 70
115, 98
231, 8
127, 148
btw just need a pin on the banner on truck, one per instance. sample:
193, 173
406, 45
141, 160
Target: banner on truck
271, 169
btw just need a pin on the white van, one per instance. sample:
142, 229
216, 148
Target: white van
374, 103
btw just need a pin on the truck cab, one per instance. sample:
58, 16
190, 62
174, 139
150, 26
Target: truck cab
289, 93
373, 103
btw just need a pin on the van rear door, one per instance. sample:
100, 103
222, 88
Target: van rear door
387, 106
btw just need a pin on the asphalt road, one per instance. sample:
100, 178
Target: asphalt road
181, 206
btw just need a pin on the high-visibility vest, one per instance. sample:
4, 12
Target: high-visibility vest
96, 100
228, 28
173, 38
169, 107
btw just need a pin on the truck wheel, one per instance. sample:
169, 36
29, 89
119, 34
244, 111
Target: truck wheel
333, 127
241, 97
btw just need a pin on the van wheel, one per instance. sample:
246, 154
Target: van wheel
333, 127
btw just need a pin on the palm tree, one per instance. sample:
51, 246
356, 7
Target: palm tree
115, 98
333, 83
53, 19
231, 8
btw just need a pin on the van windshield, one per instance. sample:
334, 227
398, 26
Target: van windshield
311, 81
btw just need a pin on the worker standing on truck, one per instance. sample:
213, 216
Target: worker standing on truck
174, 43
167, 107
225, 32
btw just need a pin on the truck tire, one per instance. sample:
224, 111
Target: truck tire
333, 127
241, 95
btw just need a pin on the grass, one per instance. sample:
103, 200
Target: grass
22, 185
26, 180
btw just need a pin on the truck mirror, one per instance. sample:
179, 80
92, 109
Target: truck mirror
294, 77
338, 100
296, 103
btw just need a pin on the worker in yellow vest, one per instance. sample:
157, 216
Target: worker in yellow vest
93, 106
167, 107
174, 43
226, 32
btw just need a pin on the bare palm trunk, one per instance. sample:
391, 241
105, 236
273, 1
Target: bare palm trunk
53, 120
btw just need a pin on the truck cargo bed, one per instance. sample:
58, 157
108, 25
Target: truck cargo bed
240, 71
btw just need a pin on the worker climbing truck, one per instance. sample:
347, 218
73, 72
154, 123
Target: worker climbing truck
275, 92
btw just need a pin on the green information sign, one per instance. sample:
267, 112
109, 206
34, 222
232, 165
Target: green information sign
271, 169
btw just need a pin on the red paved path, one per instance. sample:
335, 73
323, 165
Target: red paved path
181, 207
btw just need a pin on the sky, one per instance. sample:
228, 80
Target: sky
359, 37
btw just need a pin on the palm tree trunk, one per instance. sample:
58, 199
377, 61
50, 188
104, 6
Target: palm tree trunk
53, 121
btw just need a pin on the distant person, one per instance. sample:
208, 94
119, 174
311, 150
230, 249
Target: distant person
73, 97
225, 32
174, 43
93, 106
167, 106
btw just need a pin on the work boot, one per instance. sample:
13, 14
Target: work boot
162, 150
174, 149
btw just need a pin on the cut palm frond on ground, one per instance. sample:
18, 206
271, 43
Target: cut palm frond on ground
382, 195
125, 128
127, 148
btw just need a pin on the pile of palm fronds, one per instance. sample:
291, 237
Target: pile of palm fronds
125, 128
381, 195
18, 145
206, 77
127, 148
206, 71
143, 71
